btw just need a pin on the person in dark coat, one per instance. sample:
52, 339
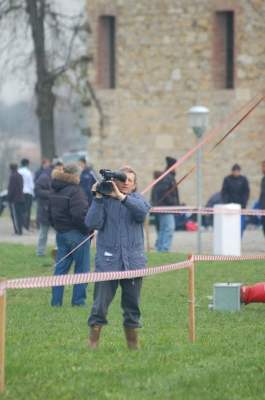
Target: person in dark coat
119, 219
43, 189
153, 201
15, 198
87, 179
45, 162
207, 220
262, 197
236, 190
166, 221
66, 212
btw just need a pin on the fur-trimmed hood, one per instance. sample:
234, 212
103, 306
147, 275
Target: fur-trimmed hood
68, 203
68, 178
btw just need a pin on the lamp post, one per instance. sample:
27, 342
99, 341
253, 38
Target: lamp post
198, 119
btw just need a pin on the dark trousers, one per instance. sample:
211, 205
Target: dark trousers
27, 209
104, 293
17, 212
263, 223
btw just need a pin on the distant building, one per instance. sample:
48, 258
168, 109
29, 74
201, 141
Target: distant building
153, 60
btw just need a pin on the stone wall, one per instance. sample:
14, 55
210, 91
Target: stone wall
165, 57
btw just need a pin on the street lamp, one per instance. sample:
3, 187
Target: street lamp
198, 119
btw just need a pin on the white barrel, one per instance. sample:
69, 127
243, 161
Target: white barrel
227, 231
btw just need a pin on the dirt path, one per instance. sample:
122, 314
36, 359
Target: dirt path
184, 242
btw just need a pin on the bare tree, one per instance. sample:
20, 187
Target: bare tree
58, 52
8, 152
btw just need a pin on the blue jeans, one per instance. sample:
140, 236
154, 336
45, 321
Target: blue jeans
166, 232
66, 242
42, 240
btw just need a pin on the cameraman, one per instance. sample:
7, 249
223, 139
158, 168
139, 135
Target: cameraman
120, 247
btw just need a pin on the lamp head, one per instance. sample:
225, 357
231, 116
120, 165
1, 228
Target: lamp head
198, 119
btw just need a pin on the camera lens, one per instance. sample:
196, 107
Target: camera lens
105, 188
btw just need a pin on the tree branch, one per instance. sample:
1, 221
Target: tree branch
98, 106
7, 8
71, 64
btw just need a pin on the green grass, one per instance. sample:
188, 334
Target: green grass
46, 348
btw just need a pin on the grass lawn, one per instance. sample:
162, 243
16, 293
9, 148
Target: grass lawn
46, 348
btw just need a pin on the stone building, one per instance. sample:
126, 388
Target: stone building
153, 61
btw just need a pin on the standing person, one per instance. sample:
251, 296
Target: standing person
153, 201
262, 197
236, 190
87, 179
167, 221
44, 163
43, 189
66, 212
28, 190
15, 197
119, 219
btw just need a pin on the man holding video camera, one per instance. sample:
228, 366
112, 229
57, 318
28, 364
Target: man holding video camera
118, 216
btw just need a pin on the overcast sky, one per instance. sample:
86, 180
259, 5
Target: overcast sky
13, 90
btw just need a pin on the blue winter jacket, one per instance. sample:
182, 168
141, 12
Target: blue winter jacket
120, 238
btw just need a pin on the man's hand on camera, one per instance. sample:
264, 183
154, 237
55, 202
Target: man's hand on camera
94, 189
116, 193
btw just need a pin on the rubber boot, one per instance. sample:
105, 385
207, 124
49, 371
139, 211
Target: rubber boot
94, 337
131, 335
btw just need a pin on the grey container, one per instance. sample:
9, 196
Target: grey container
226, 296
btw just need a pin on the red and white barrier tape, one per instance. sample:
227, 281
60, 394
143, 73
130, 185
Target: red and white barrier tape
204, 210
61, 280
226, 258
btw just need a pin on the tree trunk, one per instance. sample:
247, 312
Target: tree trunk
45, 108
44, 85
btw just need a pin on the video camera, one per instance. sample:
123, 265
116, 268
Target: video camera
107, 175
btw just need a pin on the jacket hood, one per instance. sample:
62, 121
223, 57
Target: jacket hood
64, 178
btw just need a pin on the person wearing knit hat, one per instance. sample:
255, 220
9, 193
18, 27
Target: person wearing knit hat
66, 212
236, 190
236, 167
170, 161
167, 197
70, 167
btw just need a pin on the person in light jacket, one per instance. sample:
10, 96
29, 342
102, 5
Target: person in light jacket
119, 220
28, 190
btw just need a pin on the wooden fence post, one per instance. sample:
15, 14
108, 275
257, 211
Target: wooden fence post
191, 301
2, 331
